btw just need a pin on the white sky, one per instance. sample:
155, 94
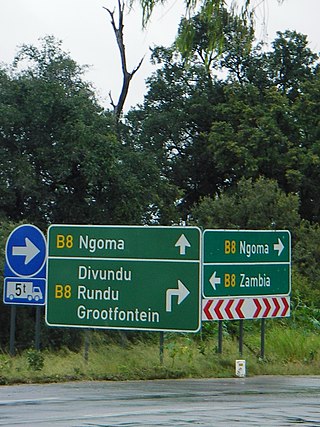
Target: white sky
85, 29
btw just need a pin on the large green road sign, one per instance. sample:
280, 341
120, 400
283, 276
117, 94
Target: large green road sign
124, 277
246, 263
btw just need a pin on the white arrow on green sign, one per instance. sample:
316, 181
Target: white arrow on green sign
124, 277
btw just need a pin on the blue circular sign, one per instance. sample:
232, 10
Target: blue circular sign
26, 250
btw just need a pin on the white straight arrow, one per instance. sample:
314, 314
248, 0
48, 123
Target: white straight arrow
182, 243
182, 292
29, 251
278, 246
214, 280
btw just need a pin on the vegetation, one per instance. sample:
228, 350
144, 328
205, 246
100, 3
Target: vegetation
288, 352
211, 13
229, 139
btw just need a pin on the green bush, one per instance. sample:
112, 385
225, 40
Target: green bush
35, 360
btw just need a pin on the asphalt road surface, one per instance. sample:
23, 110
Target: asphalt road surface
252, 401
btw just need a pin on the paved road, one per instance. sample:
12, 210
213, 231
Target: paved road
257, 401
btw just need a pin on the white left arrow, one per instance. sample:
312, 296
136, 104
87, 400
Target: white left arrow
182, 243
29, 251
214, 280
278, 246
182, 292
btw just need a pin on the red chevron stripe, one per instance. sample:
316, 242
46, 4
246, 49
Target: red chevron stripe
238, 309
228, 307
268, 307
206, 309
217, 309
277, 307
286, 306
259, 307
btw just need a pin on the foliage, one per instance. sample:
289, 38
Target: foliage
48, 113
211, 13
305, 256
306, 154
173, 122
210, 36
250, 205
291, 63
35, 360
61, 158
288, 351
208, 133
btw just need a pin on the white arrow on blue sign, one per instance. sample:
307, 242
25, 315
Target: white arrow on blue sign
26, 251
25, 267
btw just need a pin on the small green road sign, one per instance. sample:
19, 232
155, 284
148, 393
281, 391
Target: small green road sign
241, 263
124, 277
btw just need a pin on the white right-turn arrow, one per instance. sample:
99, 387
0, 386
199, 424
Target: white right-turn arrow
182, 292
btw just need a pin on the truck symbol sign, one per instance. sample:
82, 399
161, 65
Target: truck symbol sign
23, 290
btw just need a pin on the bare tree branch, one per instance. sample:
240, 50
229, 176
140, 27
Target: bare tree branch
111, 100
126, 75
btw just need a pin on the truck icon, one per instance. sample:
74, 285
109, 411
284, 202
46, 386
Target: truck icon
23, 290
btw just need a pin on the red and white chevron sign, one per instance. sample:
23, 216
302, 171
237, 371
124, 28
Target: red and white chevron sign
245, 308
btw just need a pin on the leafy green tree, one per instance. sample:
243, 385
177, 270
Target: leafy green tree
234, 47
52, 130
210, 133
173, 123
60, 156
259, 204
306, 251
244, 9
250, 135
306, 154
291, 62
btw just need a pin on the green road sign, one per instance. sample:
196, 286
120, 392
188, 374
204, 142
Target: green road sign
246, 263
124, 277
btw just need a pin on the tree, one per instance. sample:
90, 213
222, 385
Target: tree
52, 133
305, 257
250, 135
291, 62
306, 154
126, 75
259, 204
245, 9
212, 38
61, 160
173, 123
209, 133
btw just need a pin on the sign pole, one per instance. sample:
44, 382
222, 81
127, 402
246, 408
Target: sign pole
241, 337
37, 329
12, 329
263, 332
220, 337
86, 345
161, 349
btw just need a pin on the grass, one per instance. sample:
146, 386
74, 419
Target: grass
287, 352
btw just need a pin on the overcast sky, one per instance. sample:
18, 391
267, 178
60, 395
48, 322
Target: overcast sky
85, 30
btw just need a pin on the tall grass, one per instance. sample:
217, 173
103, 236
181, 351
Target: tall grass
287, 352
